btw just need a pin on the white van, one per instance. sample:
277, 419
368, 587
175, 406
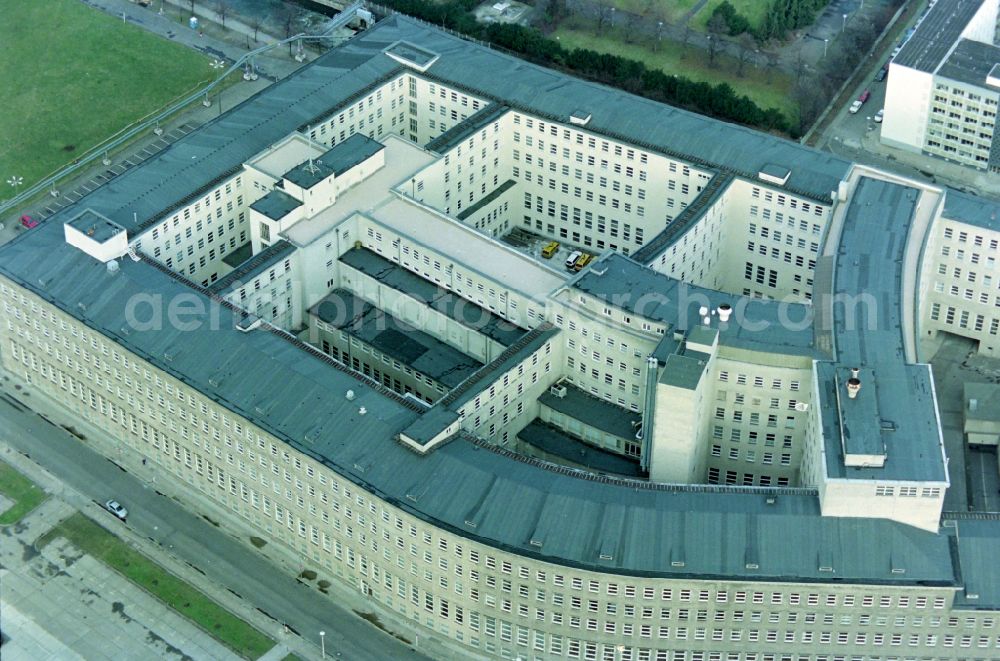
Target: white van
571, 260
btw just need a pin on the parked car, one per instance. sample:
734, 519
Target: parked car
856, 106
582, 262
880, 76
571, 260
550, 249
28, 222
116, 508
879, 115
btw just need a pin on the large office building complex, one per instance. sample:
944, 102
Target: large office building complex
327, 312
943, 87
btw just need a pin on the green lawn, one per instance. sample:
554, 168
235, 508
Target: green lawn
671, 58
25, 494
754, 10
94, 540
73, 76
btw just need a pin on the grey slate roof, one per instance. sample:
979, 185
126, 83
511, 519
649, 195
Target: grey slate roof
617, 114
929, 45
465, 128
298, 395
685, 220
94, 225
977, 543
555, 442
970, 62
253, 266
337, 160
461, 310
593, 411
424, 353
756, 324
869, 262
276, 204
971, 209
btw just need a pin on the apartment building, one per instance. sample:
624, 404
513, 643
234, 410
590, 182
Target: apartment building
944, 85
379, 385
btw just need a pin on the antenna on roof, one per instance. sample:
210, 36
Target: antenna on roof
311, 168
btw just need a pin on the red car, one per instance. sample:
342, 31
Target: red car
28, 222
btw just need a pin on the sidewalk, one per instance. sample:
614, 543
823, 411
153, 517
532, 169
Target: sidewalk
51, 598
172, 545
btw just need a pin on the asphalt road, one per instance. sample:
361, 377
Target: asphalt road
225, 560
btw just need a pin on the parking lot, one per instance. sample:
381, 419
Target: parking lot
114, 169
533, 244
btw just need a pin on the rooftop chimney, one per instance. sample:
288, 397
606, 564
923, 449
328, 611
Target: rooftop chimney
725, 310
855, 372
853, 386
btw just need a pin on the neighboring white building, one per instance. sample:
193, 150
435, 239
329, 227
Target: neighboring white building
944, 85
719, 440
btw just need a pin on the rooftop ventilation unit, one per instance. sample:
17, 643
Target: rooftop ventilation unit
362, 411
853, 387
558, 390
350, 395
113, 266
724, 311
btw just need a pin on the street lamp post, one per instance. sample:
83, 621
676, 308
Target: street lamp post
15, 182
612, 17
842, 27
659, 31
826, 42
322, 643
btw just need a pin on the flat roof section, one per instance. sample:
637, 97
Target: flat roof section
860, 424
592, 411
460, 309
426, 354
987, 401
756, 324
868, 333
276, 204
555, 442
929, 46
972, 209
402, 160
353, 151
684, 370
970, 62
254, 265
95, 226
505, 266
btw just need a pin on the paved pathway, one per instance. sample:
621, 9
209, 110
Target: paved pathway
60, 603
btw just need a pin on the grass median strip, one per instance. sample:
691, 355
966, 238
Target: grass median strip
26, 494
181, 596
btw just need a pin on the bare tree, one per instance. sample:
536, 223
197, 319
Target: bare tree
222, 10
716, 28
686, 38
631, 23
256, 23
770, 64
603, 16
747, 47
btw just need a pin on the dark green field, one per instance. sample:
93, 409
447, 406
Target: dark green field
73, 76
